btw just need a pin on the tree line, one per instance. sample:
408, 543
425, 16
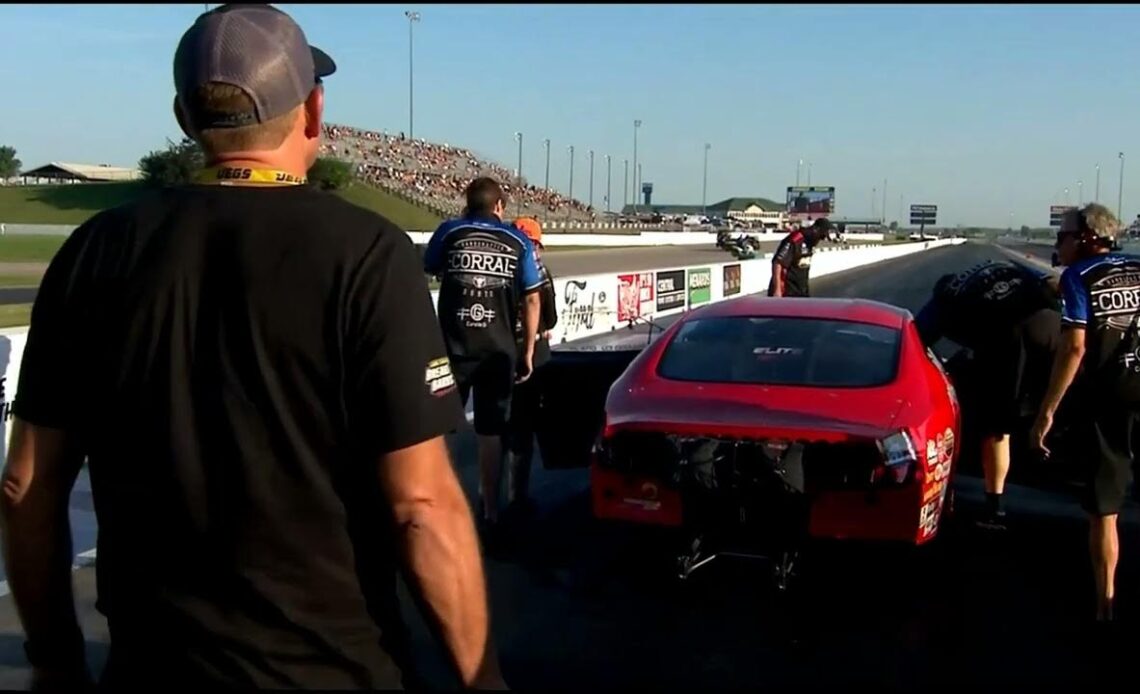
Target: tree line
179, 161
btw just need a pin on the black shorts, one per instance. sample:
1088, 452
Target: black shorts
1105, 455
1014, 367
492, 378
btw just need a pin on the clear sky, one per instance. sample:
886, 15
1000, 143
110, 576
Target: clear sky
984, 111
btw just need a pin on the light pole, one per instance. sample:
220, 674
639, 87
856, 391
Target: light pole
1066, 196
1080, 192
1097, 199
874, 197
591, 179
799, 165
625, 191
607, 183
705, 184
571, 150
809, 173
413, 17
884, 220
518, 177
1120, 194
547, 142
640, 179
636, 171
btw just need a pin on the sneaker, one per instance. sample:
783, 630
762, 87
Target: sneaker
992, 520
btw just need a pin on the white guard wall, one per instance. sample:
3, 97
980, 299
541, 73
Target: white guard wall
591, 305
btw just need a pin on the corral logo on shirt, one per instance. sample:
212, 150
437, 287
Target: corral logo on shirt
731, 280
1115, 299
700, 286
438, 376
482, 261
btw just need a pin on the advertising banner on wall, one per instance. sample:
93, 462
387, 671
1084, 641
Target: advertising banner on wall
731, 279
635, 295
700, 286
670, 290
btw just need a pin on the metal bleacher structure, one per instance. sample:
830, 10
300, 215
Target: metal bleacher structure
433, 175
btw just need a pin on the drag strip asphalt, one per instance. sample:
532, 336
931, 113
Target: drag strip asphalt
581, 605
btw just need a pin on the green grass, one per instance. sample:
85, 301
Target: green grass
13, 315
76, 203
62, 204
400, 212
30, 248
31, 280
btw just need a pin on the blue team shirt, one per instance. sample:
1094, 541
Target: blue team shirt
485, 267
1076, 296
435, 257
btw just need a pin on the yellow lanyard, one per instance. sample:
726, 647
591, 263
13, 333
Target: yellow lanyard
240, 175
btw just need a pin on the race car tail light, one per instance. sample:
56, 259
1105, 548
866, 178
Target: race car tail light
900, 459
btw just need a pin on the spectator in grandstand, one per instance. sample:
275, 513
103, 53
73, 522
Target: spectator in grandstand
791, 264
1009, 316
263, 415
524, 406
1100, 339
487, 271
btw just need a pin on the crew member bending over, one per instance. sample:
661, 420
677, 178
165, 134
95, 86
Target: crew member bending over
1008, 315
791, 264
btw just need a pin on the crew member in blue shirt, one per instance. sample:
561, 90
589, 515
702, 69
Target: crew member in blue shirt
487, 270
1100, 294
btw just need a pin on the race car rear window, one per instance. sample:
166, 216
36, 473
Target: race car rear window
782, 351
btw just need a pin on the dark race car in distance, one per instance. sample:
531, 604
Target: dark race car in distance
767, 420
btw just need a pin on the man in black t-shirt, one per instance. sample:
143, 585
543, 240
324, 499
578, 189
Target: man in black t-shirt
791, 264
525, 404
252, 369
1009, 316
487, 270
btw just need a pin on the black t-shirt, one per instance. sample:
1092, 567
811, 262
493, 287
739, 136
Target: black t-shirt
977, 303
794, 255
485, 267
233, 361
547, 318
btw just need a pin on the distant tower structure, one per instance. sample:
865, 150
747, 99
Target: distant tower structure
647, 193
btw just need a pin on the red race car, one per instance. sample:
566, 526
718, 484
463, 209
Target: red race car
764, 420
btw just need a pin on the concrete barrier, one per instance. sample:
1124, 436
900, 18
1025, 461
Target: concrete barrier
590, 305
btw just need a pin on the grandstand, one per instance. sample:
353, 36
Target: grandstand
434, 176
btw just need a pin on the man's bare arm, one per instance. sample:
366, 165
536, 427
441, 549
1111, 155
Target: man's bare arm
441, 555
38, 476
1066, 363
778, 278
532, 313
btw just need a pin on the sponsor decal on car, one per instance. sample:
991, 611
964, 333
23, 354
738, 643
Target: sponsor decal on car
929, 515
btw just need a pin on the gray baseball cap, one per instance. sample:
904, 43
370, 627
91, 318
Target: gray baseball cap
256, 48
